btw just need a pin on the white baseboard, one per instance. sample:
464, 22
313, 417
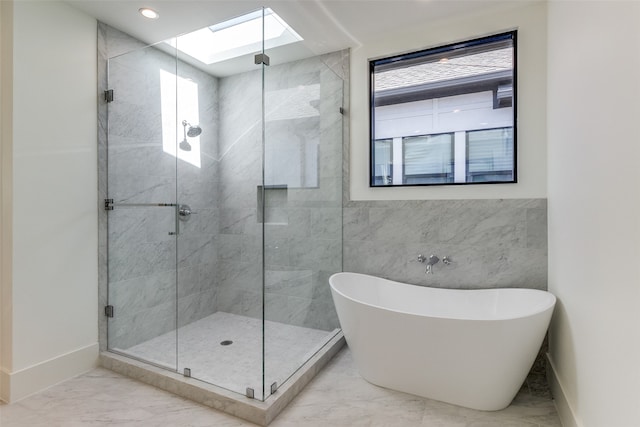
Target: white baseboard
4, 386
25, 382
565, 411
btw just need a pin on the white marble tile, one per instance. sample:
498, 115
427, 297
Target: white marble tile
337, 396
298, 283
240, 301
537, 228
20, 416
136, 259
196, 306
493, 243
141, 293
239, 365
326, 223
128, 329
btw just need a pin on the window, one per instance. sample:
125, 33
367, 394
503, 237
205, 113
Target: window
428, 159
236, 37
490, 155
445, 115
383, 167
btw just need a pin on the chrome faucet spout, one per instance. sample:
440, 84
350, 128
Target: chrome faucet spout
431, 261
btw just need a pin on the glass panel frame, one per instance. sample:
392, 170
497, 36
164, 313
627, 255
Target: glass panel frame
141, 221
302, 223
224, 348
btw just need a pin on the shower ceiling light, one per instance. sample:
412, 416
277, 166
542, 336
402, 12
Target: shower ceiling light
236, 37
149, 13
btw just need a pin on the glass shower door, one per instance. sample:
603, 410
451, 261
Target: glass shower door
303, 210
219, 261
142, 208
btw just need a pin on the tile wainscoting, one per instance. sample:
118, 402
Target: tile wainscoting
492, 243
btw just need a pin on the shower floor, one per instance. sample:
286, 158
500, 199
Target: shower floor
238, 365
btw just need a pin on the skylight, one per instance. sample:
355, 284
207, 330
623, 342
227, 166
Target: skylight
236, 37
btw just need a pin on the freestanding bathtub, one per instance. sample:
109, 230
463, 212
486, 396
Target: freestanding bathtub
471, 348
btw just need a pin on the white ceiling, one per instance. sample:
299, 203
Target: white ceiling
325, 25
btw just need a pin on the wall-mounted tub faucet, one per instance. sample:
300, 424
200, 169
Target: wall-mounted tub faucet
429, 262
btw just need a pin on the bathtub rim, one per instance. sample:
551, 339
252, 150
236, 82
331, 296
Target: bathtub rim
549, 306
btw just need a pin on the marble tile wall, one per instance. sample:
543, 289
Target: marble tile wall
143, 169
302, 223
240, 240
492, 243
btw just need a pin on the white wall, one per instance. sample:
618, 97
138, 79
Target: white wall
54, 208
6, 30
594, 210
530, 19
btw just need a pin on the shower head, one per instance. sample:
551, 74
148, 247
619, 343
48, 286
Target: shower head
193, 130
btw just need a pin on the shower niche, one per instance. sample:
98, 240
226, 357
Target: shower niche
196, 281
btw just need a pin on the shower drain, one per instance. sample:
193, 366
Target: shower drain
226, 342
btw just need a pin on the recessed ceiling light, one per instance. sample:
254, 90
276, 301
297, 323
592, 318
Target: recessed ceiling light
149, 13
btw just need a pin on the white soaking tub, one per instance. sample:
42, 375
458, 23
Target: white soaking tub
471, 348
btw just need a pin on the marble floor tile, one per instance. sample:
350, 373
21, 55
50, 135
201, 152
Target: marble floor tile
238, 365
336, 397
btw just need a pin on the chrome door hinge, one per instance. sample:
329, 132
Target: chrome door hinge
108, 95
108, 311
108, 204
261, 58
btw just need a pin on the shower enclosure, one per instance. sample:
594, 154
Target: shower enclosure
224, 207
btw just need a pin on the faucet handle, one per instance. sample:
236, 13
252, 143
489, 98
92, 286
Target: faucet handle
421, 258
446, 260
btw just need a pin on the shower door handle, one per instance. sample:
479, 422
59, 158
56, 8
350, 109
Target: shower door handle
182, 212
109, 205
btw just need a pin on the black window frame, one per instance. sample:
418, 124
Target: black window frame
445, 51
